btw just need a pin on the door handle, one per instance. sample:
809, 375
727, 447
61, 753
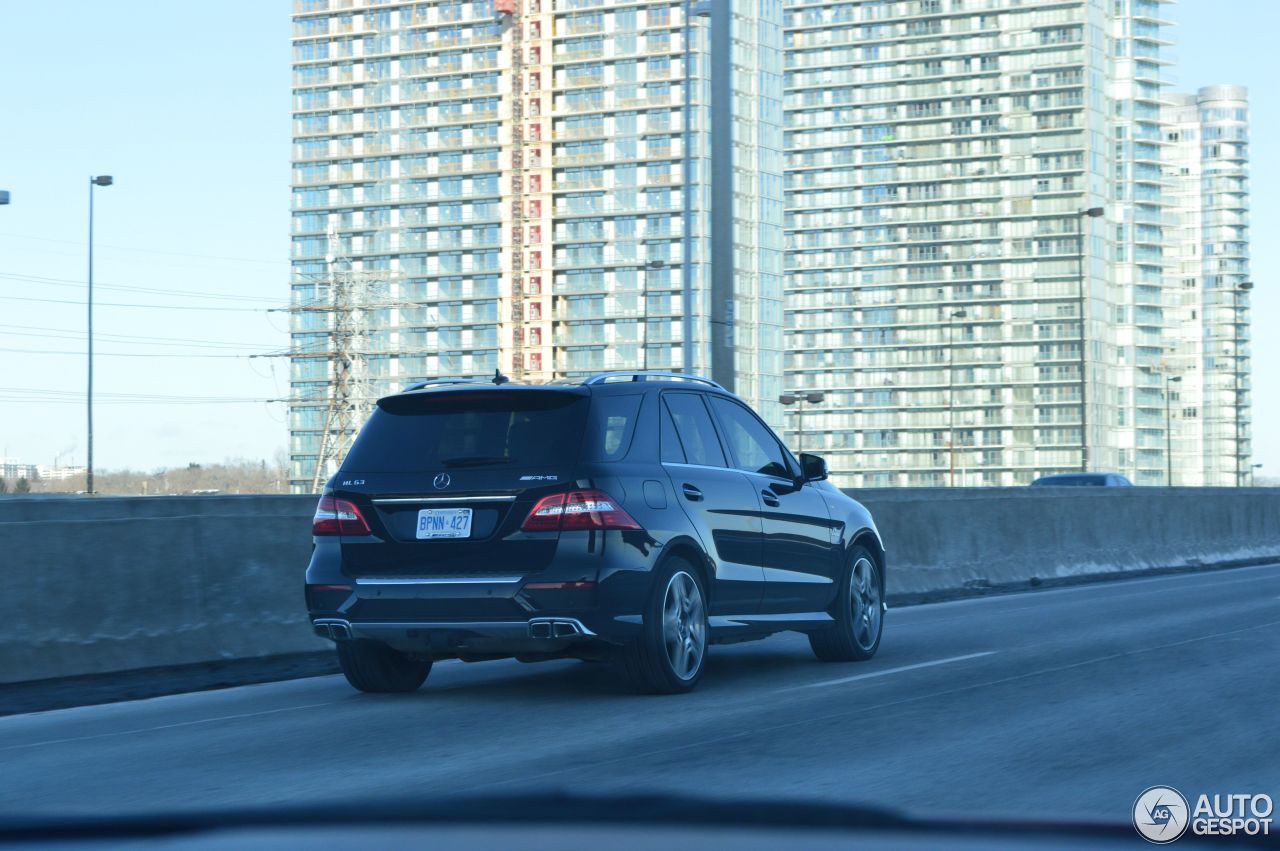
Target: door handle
691, 493
770, 499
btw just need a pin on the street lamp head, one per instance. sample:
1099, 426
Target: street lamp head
1172, 378
1245, 285
102, 180
815, 397
1093, 212
656, 264
787, 399
959, 314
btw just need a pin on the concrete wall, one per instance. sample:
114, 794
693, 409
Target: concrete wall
112, 584
945, 538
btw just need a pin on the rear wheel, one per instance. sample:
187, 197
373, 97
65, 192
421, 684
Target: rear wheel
374, 667
859, 614
670, 653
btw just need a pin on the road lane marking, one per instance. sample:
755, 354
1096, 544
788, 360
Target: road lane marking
487, 787
888, 671
167, 726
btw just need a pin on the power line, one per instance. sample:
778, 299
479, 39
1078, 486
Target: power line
148, 250
77, 302
81, 353
76, 282
97, 401
40, 394
72, 334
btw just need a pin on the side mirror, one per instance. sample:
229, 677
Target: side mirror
813, 468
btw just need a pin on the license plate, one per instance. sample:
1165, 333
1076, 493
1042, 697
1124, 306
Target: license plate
444, 523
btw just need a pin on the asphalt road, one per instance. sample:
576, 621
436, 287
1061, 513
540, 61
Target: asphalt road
1056, 704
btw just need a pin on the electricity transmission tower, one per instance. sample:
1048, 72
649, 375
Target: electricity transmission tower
348, 297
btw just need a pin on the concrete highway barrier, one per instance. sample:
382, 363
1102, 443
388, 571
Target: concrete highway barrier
104, 585
113, 584
945, 539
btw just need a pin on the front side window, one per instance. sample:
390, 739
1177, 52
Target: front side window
753, 447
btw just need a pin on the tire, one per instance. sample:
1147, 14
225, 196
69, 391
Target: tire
671, 652
372, 666
859, 613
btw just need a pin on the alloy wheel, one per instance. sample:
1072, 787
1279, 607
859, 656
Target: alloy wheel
684, 625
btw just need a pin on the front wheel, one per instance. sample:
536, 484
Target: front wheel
859, 614
374, 667
670, 653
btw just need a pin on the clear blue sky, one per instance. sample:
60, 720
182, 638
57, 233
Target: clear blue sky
187, 106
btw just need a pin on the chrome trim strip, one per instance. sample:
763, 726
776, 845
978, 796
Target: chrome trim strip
439, 580
490, 629
512, 628
438, 499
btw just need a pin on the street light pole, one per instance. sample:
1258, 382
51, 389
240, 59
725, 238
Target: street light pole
799, 427
798, 399
951, 411
1168, 431
100, 180
1091, 213
644, 340
1240, 289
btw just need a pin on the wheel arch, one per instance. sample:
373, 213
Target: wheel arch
691, 551
868, 538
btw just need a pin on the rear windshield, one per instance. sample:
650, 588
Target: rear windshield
452, 430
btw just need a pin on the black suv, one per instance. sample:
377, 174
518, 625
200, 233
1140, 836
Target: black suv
634, 517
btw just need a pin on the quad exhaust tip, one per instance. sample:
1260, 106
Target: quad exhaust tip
557, 628
333, 629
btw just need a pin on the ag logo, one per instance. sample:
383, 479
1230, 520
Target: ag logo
1161, 815
441, 481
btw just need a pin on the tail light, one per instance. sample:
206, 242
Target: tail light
591, 509
338, 517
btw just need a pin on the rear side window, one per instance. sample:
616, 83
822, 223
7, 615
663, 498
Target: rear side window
693, 425
613, 425
672, 451
432, 431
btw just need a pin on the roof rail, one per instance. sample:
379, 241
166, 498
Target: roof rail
627, 375
433, 382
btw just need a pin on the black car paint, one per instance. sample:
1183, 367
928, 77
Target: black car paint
767, 568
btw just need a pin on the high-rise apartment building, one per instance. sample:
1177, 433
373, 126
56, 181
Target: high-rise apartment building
1206, 169
542, 187
1135, 238
941, 157
978, 280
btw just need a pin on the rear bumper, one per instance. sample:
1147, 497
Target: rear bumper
547, 628
580, 599
536, 636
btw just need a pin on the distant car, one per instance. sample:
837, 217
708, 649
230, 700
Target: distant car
635, 517
1083, 480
